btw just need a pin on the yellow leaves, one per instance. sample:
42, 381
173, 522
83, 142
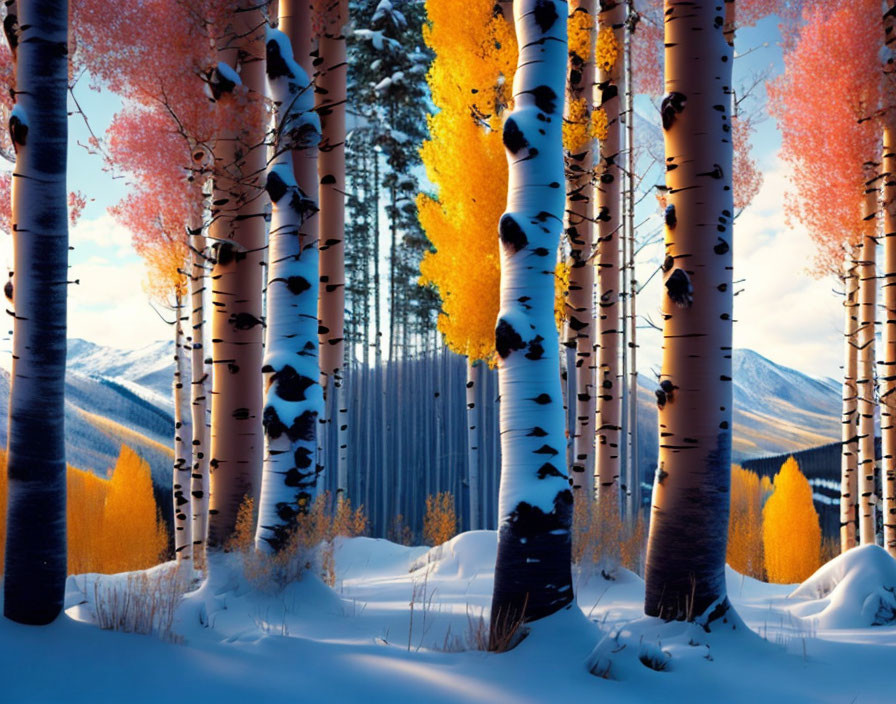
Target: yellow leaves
791, 534
748, 493
599, 124
440, 520
578, 29
561, 291
607, 49
578, 128
470, 78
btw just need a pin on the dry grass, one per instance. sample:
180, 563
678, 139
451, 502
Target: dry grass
310, 544
601, 536
440, 520
400, 532
146, 603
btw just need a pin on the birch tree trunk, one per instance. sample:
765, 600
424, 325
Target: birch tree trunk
330, 98
35, 567
685, 568
183, 439
293, 400
474, 415
609, 381
580, 232
850, 441
865, 378
198, 391
532, 569
888, 355
238, 233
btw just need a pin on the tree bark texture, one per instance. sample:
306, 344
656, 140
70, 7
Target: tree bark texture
610, 232
685, 568
293, 402
35, 567
237, 231
580, 234
532, 570
849, 453
183, 439
474, 380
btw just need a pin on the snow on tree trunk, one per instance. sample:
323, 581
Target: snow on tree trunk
474, 380
850, 443
532, 569
293, 402
183, 439
198, 390
865, 378
238, 233
580, 232
685, 567
330, 99
35, 568
609, 223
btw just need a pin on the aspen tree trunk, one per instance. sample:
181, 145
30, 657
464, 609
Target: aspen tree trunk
609, 382
238, 232
685, 568
532, 569
36, 563
293, 396
888, 356
198, 391
474, 416
330, 99
183, 439
867, 469
850, 442
580, 233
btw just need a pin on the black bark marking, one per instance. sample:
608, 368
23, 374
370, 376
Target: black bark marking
672, 105
297, 285
275, 186
536, 350
545, 99
511, 233
276, 63
290, 385
219, 84
513, 137
18, 132
671, 220
507, 339
549, 470
722, 247
537, 432
545, 15
542, 399
679, 288
243, 321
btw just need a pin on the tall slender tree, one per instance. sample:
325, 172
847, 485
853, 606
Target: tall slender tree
293, 394
532, 569
35, 559
685, 568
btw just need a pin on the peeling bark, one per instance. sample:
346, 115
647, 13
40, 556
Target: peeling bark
532, 569
685, 568
609, 223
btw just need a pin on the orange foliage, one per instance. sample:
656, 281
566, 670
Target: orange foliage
113, 524
831, 81
791, 534
440, 520
470, 79
748, 494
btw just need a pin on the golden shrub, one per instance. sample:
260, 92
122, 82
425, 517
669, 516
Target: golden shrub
440, 519
745, 522
791, 533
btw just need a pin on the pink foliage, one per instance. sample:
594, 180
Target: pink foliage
832, 81
747, 177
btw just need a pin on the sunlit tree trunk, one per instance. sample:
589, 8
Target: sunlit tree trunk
850, 443
183, 438
35, 567
865, 382
685, 568
609, 203
238, 233
580, 233
293, 401
198, 390
532, 570
330, 94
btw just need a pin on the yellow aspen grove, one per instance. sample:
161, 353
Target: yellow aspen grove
578, 144
865, 381
611, 21
330, 98
685, 566
748, 494
791, 534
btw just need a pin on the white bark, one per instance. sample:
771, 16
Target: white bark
183, 438
849, 430
293, 401
474, 379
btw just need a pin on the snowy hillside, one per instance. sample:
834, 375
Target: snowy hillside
402, 625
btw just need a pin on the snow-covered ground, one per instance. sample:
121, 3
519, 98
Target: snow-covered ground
399, 624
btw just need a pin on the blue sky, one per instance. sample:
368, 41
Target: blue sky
782, 312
